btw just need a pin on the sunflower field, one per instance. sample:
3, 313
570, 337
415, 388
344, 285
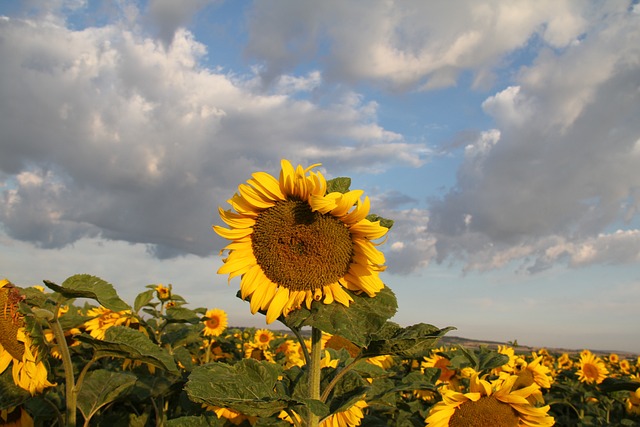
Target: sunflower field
306, 252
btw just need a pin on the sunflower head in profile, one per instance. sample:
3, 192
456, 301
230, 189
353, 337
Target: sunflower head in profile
292, 244
215, 322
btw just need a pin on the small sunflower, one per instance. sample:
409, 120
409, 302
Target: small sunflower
591, 368
350, 417
215, 322
292, 244
493, 404
263, 338
163, 292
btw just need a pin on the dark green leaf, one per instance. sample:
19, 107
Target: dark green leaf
247, 387
338, 185
101, 387
357, 323
128, 343
411, 342
181, 315
386, 223
191, 421
10, 394
86, 286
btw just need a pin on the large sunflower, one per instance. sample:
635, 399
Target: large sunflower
493, 404
294, 244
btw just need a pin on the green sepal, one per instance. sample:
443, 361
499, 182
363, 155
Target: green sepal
247, 387
363, 318
87, 286
385, 222
338, 185
120, 341
411, 342
101, 387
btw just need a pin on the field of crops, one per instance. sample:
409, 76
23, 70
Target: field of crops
158, 362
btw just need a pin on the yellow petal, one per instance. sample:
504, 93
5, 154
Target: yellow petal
232, 234
279, 301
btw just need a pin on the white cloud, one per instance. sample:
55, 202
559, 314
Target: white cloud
561, 164
130, 139
410, 45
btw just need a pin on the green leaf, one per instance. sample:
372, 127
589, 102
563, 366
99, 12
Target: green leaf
86, 286
10, 394
143, 299
247, 387
181, 315
411, 342
364, 317
387, 223
338, 185
128, 343
188, 421
101, 387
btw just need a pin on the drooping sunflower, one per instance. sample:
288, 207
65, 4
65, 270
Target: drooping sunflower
487, 403
294, 244
16, 346
215, 322
591, 368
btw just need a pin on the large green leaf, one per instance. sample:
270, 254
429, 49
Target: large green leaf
247, 387
364, 317
411, 342
101, 387
181, 315
142, 299
87, 286
120, 341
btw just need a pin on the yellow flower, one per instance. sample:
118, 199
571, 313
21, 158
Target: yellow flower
104, 318
350, 417
493, 404
592, 369
534, 372
263, 337
614, 359
16, 347
440, 362
163, 292
234, 417
294, 244
215, 322
253, 351
633, 402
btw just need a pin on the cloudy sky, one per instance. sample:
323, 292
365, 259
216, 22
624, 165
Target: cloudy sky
502, 138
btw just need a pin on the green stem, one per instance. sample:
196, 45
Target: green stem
314, 373
70, 388
334, 381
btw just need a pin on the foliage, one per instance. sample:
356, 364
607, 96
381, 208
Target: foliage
150, 364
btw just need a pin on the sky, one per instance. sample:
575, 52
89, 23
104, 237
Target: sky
502, 138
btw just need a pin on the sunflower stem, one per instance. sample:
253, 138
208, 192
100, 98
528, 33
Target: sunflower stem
70, 386
314, 373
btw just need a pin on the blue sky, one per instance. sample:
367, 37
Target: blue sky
502, 139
